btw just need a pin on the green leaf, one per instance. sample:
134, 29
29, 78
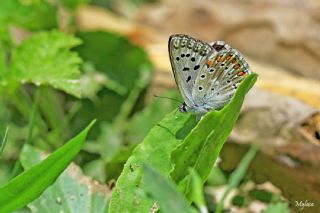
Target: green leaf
122, 63
73, 4
164, 192
27, 186
71, 192
45, 58
114, 55
157, 147
237, 175
216, 177
141, 122
202, 146
197, 191
32, 15
277, 208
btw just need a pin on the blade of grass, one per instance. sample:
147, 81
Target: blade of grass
197, 191
17, 166
4, 140
29, 185
237, 175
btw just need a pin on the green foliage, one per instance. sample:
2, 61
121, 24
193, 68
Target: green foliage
158, 146
71, 192
264, 196
42, 78
30, 184
4, 141
277, 208
197, 191
216, 177
237, 175
155, 149
45, 59
115, 56
73, 4
164, 192
32, 15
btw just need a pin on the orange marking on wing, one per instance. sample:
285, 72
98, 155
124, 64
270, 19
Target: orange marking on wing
227, 58
234, 60
237, 66
241, 73
209, 63
219, 58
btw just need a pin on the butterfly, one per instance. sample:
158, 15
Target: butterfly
207, 75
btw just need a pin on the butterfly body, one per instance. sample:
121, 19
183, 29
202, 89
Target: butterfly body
207, 75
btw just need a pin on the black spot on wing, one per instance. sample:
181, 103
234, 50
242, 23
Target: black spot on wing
188, 79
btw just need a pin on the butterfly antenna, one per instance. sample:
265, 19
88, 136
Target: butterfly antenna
157, 96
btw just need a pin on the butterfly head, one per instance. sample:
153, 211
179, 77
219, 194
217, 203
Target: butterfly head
194, 109
183, 107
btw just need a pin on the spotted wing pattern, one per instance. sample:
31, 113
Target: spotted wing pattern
207, 75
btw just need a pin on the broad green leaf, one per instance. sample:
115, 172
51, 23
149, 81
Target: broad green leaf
164, 192
122, 63
157, 147
277, 208
27, 186
115, 56
71, 192
45, 58
141, 122
237, 175
202, 146
32, 15
155, 150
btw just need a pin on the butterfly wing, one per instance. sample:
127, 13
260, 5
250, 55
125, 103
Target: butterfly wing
218, 80
187, 57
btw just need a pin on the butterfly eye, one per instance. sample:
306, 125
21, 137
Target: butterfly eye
183, 108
